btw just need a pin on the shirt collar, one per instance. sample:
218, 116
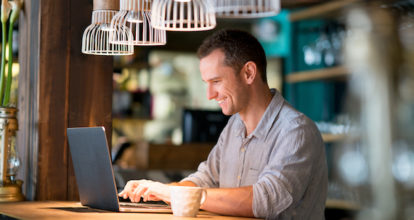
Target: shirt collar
239, 128
267, 119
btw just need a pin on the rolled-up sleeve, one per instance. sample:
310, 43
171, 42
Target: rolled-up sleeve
286, 177
283, 159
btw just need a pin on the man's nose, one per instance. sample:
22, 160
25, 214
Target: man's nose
211, 93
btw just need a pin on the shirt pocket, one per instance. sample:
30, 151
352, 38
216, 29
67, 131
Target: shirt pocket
252, 176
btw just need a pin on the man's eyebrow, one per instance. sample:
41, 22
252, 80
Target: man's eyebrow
212, 79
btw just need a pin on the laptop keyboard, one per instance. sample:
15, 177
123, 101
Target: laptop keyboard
143, 205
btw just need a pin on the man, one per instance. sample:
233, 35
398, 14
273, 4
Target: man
269, 160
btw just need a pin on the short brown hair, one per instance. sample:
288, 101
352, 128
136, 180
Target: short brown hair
238, 46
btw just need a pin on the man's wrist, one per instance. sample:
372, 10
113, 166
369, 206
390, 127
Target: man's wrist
182, 183
173, 184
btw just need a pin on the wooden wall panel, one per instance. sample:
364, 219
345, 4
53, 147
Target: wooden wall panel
68, 89
27, 138
90, 84
54, 65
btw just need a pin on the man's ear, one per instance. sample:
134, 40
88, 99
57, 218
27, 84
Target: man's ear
249, 72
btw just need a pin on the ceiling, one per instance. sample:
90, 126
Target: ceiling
192, 41
189, 42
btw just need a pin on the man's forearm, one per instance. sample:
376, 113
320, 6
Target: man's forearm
227, 201
183, 183
230, 201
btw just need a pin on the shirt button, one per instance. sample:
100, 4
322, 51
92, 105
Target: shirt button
238, 177
243, 149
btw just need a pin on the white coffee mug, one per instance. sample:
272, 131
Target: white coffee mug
186, 200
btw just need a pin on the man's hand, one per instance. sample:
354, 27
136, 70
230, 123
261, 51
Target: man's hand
147, 189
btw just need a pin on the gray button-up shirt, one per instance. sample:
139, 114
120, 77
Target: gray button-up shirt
283, 159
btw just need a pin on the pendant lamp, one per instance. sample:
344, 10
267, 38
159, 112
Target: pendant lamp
183, 15
135, 17
95, 38
246, 8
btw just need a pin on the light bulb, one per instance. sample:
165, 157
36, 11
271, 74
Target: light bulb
134, 17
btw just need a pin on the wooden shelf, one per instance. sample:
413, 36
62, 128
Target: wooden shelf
329, 138
130, 119
183, 157
321, 10
341, 204
319, 74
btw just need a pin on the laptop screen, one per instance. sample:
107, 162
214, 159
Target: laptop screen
93, 169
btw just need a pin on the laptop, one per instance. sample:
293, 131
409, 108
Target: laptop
94, 173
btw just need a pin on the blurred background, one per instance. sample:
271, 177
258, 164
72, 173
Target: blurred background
348, 65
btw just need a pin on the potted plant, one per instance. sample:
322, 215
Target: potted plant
10, 187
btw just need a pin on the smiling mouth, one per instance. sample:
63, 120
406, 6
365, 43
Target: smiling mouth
221, 100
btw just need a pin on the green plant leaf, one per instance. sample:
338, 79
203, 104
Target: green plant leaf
16, 6
3, 60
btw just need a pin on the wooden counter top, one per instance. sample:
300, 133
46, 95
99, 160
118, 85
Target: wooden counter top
74, 210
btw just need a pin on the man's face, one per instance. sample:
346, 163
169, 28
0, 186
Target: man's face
223, 84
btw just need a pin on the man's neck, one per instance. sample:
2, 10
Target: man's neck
258, 102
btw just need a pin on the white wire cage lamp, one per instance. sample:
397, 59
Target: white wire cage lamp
134, 17
246, 8
95, 39
183, 15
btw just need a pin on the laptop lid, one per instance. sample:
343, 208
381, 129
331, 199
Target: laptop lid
93, 169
